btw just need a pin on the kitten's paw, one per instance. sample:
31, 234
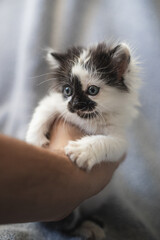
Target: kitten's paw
38, 140
81, 153
90, 231
44, 142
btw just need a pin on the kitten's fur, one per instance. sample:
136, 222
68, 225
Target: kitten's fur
104, 116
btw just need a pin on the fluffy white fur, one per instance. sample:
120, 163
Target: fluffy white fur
105, 140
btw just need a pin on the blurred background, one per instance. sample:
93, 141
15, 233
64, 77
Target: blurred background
27, 28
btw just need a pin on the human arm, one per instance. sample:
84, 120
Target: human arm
41, 185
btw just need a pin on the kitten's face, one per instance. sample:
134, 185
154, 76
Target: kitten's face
91, 81
80, 97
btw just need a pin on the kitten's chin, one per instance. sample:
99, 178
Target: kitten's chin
87, 115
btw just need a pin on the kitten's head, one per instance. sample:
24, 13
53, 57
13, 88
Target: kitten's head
94, 80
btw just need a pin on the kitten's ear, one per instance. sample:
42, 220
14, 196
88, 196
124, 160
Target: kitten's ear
121, 58
55, 59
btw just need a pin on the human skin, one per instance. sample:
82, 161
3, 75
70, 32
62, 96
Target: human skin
38, 184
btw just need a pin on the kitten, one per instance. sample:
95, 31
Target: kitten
94, 88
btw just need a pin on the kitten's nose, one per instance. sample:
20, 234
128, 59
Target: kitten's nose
77, 104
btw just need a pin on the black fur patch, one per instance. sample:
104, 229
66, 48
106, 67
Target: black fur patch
102, 62
80, 101
62, 75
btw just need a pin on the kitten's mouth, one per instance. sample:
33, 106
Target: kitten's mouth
87, 115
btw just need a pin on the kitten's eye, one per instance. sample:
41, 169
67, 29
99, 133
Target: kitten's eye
67, 91
93, 90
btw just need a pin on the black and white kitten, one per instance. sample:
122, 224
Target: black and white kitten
94, 88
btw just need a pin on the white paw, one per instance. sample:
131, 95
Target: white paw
82, 153
44, 142
38, 140
90, 230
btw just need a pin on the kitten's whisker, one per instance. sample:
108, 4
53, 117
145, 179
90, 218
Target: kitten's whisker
101, 116
91, 122
85, 114
102, 106
50, 79
65, 119
42, 75
63, 115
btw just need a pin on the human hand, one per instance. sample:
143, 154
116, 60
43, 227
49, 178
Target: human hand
99, 176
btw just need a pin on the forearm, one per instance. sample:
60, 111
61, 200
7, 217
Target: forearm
39, 185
